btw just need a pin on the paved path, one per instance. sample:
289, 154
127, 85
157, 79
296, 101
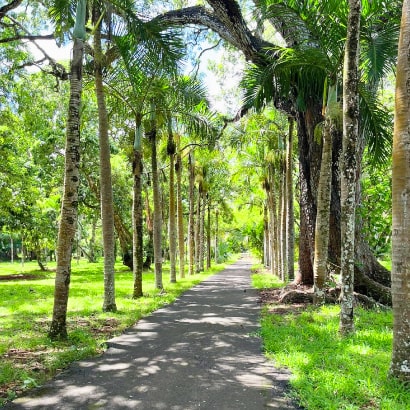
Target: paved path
201, 352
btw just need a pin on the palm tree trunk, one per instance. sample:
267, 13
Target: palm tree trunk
180, 213
208, 236
400, 366
349, 165
157, 220
216, 252
266, 250
290, 223
322, 227
198, 231
137, 213
107, 207
191, 221
172, 213
69, 202
322, 216
202, 233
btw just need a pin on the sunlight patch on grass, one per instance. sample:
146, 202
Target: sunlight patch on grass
330, 372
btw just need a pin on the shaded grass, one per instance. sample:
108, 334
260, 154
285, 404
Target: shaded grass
331, 372
28, 357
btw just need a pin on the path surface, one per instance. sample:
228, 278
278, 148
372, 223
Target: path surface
201, 352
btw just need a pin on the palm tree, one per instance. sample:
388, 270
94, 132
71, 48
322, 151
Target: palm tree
349, 166
69, 202
400, 366
107, 206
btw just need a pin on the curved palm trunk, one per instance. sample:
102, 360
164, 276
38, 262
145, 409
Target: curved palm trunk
69, 202
349, 165
107, 207
180, 213
157, 220
400, 366
290, 223
137, 213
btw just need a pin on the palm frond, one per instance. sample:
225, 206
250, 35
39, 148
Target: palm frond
375, 126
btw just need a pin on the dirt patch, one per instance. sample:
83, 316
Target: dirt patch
290, 299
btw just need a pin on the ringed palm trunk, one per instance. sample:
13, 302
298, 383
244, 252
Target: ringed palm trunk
107, 207
180, 212
400, 366
290, 223
349, 165
69, 202
157, 219
137, 213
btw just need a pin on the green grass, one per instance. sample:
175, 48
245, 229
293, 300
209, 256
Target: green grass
328, 371
28, 356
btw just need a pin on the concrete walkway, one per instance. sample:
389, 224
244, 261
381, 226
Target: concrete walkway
201, 352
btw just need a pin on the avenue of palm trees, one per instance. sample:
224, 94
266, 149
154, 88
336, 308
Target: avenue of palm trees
133, 142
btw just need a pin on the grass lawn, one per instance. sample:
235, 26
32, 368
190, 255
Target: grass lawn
28, 357
331, 372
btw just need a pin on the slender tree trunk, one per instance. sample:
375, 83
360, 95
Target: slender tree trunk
198, 230
216, 236
266, 248
283, 221
290, 223
349, 165
69, 202
202, 232
322, 227
191, 221
137, 213
172, 214
400, 362
157, 225
208, 236
107, 207
180, 213
149, 249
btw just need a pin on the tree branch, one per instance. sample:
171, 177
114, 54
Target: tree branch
7, 7
27, 37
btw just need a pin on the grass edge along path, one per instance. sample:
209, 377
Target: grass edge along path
28, 357
328, 371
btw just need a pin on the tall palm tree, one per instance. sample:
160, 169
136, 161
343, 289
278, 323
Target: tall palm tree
106, 195
69, 202
349, 165
400, 366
